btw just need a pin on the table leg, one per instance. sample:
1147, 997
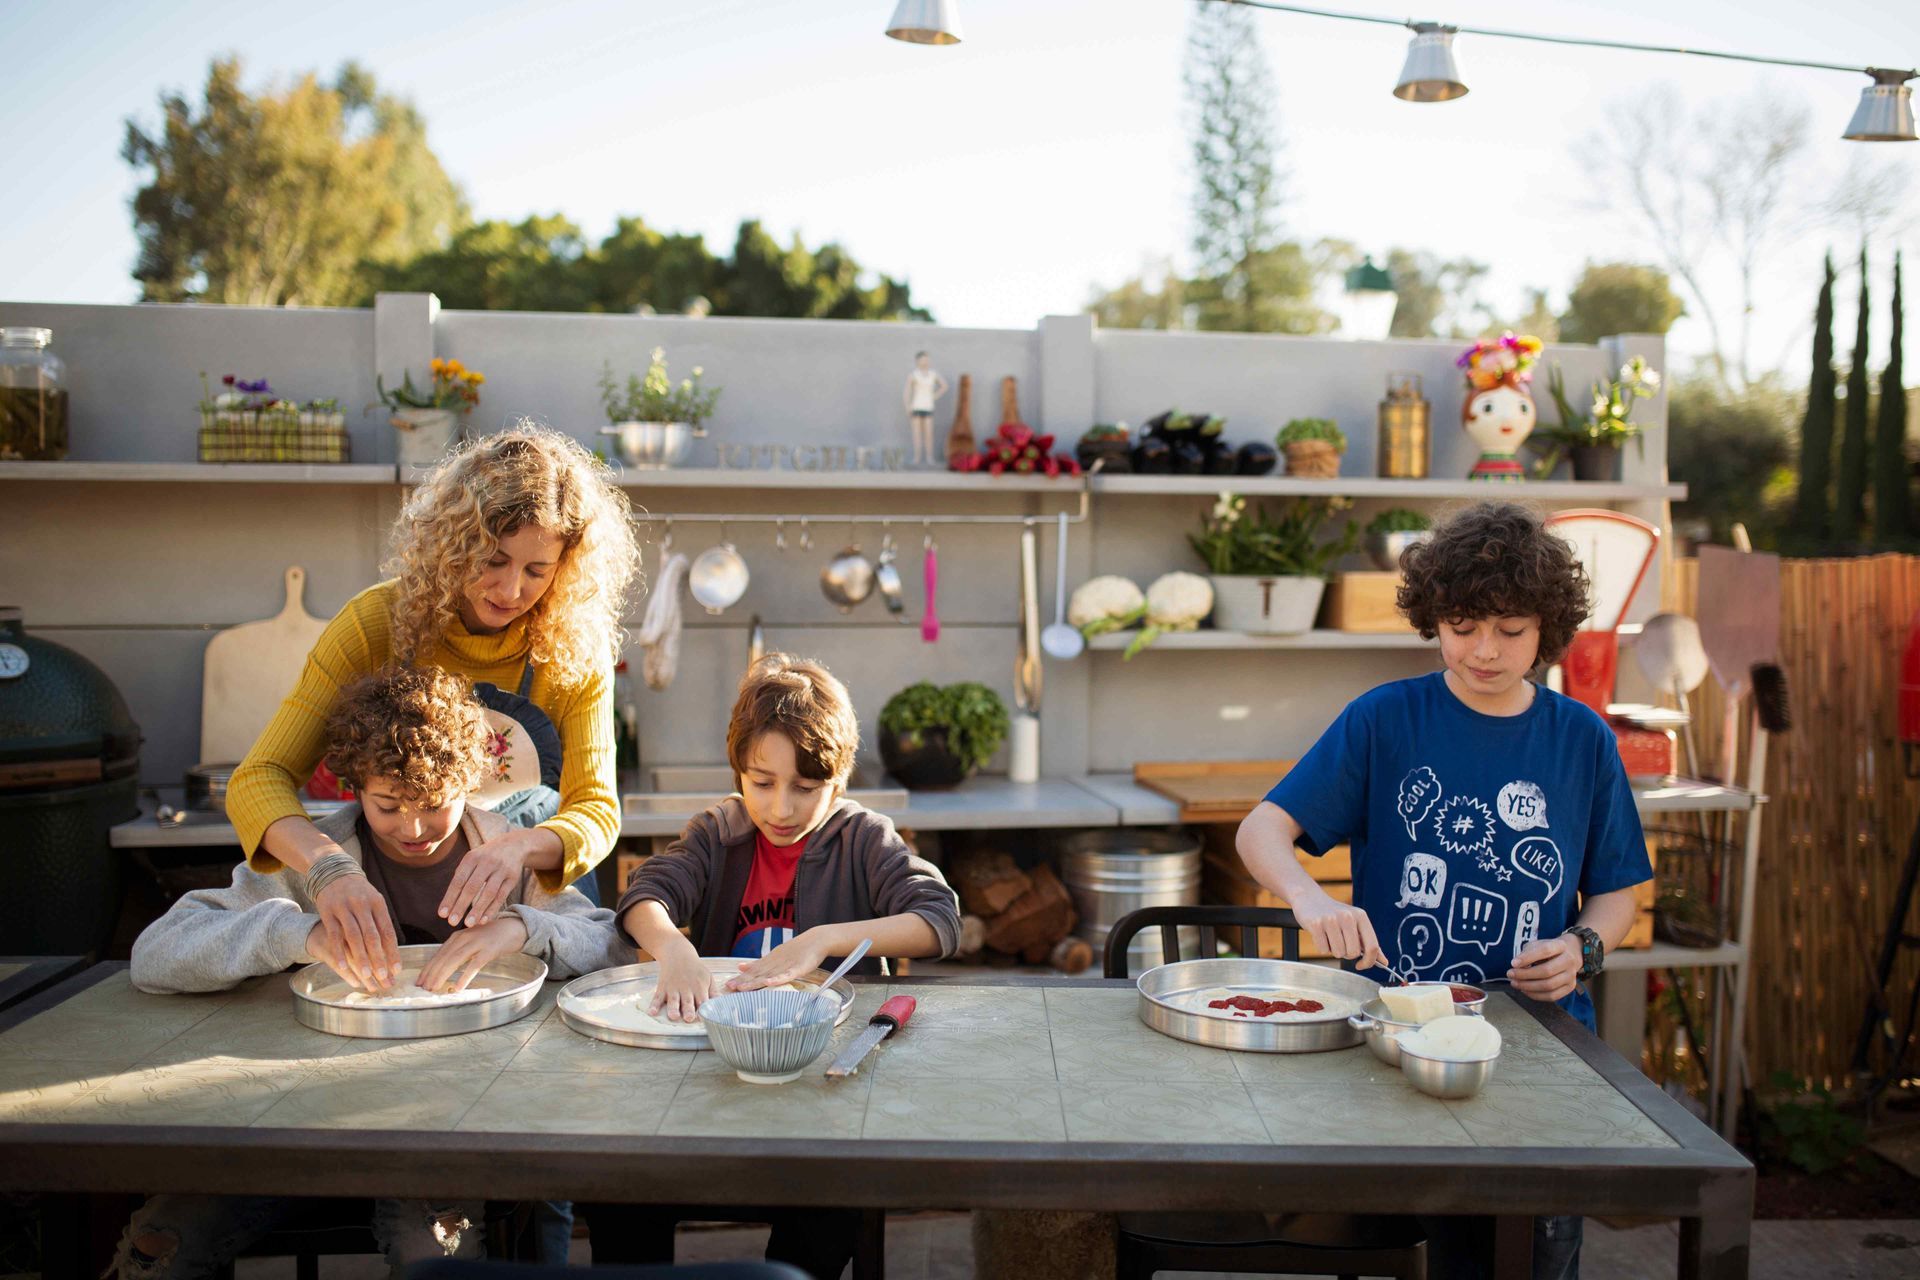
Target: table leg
1716, 1245
1513, 1247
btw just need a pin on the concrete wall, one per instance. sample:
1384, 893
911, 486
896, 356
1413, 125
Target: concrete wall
138, 575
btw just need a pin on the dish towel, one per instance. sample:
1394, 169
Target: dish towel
660, 629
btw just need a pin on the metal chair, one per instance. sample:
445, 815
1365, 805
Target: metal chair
1313, 1244
453, 1269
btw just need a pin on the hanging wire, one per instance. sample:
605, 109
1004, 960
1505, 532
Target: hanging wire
1539, 38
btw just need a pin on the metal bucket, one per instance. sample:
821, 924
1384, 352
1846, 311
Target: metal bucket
1113, 871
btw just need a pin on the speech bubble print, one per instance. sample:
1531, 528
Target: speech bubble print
1526, 927
1420, 942
1419, 792
1465, 971
1523, 806
1476, 918
1466, 828
1538, 858
1423, 878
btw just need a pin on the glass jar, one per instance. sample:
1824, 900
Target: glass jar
33, 397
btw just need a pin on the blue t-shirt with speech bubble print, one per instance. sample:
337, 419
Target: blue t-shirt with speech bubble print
1471, 834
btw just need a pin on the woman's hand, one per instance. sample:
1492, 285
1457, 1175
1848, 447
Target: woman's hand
685, 982
321, 949
800, 954
1338, 928
1549, 969
485, 880
359, 931
469, 951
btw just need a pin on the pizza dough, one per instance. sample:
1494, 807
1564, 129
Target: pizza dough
1455, 1038
408, 995
1329, 1006
625, 1010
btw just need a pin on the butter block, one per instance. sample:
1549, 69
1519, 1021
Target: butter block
1422, 1002
1456, 1038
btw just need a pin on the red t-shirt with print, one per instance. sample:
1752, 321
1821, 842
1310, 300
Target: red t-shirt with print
766, 907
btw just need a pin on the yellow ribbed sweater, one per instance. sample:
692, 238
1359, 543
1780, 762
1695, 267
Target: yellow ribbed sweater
265, 788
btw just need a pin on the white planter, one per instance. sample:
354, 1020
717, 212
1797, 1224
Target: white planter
1264, 606
425, 435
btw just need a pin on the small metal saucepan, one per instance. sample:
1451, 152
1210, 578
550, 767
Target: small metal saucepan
718, 577
847, 579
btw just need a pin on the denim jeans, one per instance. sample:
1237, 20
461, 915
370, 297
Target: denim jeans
534, 806
204, 1233
1462, 1248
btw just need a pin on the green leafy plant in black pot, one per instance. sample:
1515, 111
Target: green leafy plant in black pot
933, 738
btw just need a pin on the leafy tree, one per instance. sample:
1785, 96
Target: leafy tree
1619, 297
637, 267
1810, 521
1437, 298
278, 199
1154, 299
534, 265
764, 279
1892, 474
1734, 452
1850, 497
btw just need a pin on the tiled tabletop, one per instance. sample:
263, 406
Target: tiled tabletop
1002, 1064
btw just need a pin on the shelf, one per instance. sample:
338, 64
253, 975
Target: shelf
1691, 795
1664, 955
1217, 640
736, 479
1373, 487
205, 472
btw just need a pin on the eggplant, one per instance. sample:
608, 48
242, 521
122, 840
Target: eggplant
1153, 457
1155, 427
1189, 459
1255, 458
1221, 459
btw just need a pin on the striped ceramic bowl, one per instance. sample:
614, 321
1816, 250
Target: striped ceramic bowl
769, 1037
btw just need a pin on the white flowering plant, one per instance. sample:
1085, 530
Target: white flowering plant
1237, 539
655, 397
1609, 416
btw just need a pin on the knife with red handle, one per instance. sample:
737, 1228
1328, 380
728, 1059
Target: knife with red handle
892, 1016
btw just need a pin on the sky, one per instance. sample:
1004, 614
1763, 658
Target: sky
1004, 178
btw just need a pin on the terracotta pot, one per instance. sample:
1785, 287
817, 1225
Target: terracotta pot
1313, 459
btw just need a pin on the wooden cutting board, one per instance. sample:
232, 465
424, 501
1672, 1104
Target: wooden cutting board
1212, 790
249, 670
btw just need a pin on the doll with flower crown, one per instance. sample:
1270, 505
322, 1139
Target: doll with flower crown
1498, 412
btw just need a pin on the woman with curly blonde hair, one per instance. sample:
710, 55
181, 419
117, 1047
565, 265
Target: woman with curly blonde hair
511, 566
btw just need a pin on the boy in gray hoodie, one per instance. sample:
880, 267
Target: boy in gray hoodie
413, 743
786, 876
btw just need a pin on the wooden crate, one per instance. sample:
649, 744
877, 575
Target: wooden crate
1363, 602
1224, 880
1212, 790
1336, 864
1640, 937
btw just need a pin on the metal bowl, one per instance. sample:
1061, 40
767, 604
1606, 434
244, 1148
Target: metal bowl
769, 1037
1387, 548
1157, 988
1381, 1031
515, 980
1446, 1077
652, 446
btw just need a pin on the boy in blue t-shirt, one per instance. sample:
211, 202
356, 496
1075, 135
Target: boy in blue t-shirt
1493, 833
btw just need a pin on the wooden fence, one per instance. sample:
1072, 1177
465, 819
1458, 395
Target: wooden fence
1842, 810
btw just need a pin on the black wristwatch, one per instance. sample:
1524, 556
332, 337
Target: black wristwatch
1593, 955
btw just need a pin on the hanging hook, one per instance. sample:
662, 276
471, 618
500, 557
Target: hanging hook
780, 534
666, 543
806, 535
926, 542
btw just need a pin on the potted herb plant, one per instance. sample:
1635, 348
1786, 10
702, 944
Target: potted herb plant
1313, 447
655, 421
429, 421
1392, 532
1594, 439
1269, 571
933, 738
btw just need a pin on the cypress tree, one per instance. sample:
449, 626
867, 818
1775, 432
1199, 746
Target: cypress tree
1850, 498
1892, 491
1816, 429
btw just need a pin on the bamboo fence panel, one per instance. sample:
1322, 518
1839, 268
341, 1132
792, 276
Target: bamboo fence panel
1841, 811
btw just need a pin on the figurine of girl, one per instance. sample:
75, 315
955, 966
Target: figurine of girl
924, 387
1498, 412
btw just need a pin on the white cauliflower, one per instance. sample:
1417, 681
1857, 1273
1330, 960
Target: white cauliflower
1179, 601
1175, 602
1103, 604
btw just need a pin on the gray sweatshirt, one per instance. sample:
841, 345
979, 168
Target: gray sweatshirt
212, 939
856, 867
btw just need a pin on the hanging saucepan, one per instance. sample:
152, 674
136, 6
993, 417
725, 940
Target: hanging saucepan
847, 579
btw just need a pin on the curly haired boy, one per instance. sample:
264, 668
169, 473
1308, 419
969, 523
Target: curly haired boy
1493, 833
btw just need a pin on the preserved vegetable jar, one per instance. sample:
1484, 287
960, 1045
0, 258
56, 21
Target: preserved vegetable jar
33, 397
